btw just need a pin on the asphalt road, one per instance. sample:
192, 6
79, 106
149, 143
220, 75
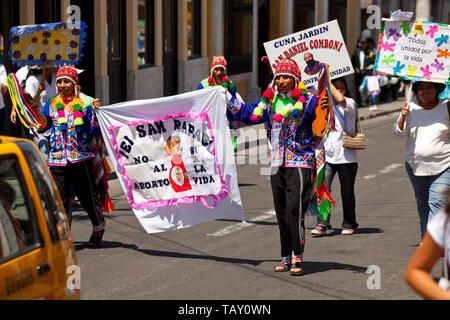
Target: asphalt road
225, 259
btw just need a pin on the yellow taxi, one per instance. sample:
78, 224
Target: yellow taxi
37, 255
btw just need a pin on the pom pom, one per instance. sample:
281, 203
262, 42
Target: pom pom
62, 120
77, 107
210, 80
268, 94
78, 122
255, 118
59, 106
78, 114
298, 106
277, 117
286, 111
225, 84
302, 99
63, 127
295, 94
225, 79
258, 111
61, 114
295, 113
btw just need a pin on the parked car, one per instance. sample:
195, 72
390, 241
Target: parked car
37, 254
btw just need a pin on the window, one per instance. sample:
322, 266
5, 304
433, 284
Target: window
54, 215
338, 10
2, 57
19, 231
304, 15
194, 27
239, 35
47, 11
145, 32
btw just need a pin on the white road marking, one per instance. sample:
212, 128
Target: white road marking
385, 170
239, 226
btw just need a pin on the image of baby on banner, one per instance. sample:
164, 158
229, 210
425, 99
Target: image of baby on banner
321, 201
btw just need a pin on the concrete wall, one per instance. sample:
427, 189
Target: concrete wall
145, 83
191, 72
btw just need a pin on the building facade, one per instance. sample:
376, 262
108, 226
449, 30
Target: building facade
140, 49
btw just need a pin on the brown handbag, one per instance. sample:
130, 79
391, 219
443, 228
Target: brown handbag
358, 140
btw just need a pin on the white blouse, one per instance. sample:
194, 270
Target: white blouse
427, 144
335, 153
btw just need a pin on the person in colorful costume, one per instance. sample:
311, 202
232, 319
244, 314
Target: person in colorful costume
75, 153
290, 112
218, 77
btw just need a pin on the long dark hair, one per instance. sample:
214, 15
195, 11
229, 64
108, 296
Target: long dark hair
342, 79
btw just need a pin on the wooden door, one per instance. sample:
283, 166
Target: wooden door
116, 51
170, 57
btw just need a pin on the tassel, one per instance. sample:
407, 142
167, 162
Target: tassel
268, 95
78, 122
277, 118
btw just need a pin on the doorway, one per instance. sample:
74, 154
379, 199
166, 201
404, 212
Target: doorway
87, 62
170, 56
116, 43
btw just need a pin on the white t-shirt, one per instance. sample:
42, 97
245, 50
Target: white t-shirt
32, 85
3, 76
428, 139
335, 153
437, 228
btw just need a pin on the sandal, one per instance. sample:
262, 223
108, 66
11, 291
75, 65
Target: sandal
296, 269
96, 238
283, 266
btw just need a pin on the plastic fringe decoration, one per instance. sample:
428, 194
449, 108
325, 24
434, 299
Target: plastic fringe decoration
25, 113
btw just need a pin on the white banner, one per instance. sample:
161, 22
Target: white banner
414, 50
321, 44
174, 158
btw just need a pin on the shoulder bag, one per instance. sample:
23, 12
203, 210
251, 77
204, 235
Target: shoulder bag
357, 141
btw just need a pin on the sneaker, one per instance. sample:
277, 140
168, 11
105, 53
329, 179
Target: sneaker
318, 231
347, 231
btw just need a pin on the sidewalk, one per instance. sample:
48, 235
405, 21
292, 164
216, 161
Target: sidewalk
383, 109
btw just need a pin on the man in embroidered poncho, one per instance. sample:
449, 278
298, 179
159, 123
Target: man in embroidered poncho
73, 144
289, 111
218, 77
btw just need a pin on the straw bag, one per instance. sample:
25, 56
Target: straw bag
356, 142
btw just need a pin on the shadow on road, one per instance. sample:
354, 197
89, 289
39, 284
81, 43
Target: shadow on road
334, 232
115, 244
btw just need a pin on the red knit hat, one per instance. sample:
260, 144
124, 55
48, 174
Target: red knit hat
218, 61
288, 67
68, 72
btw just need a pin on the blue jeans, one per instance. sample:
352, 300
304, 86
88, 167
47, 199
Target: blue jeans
372, 99
430, 194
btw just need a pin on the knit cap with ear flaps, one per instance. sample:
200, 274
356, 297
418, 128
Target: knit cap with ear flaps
288, 67
218, 61
68, 73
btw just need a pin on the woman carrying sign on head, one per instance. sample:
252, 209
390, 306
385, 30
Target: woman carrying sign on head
425, 123
70, 116
289, 111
